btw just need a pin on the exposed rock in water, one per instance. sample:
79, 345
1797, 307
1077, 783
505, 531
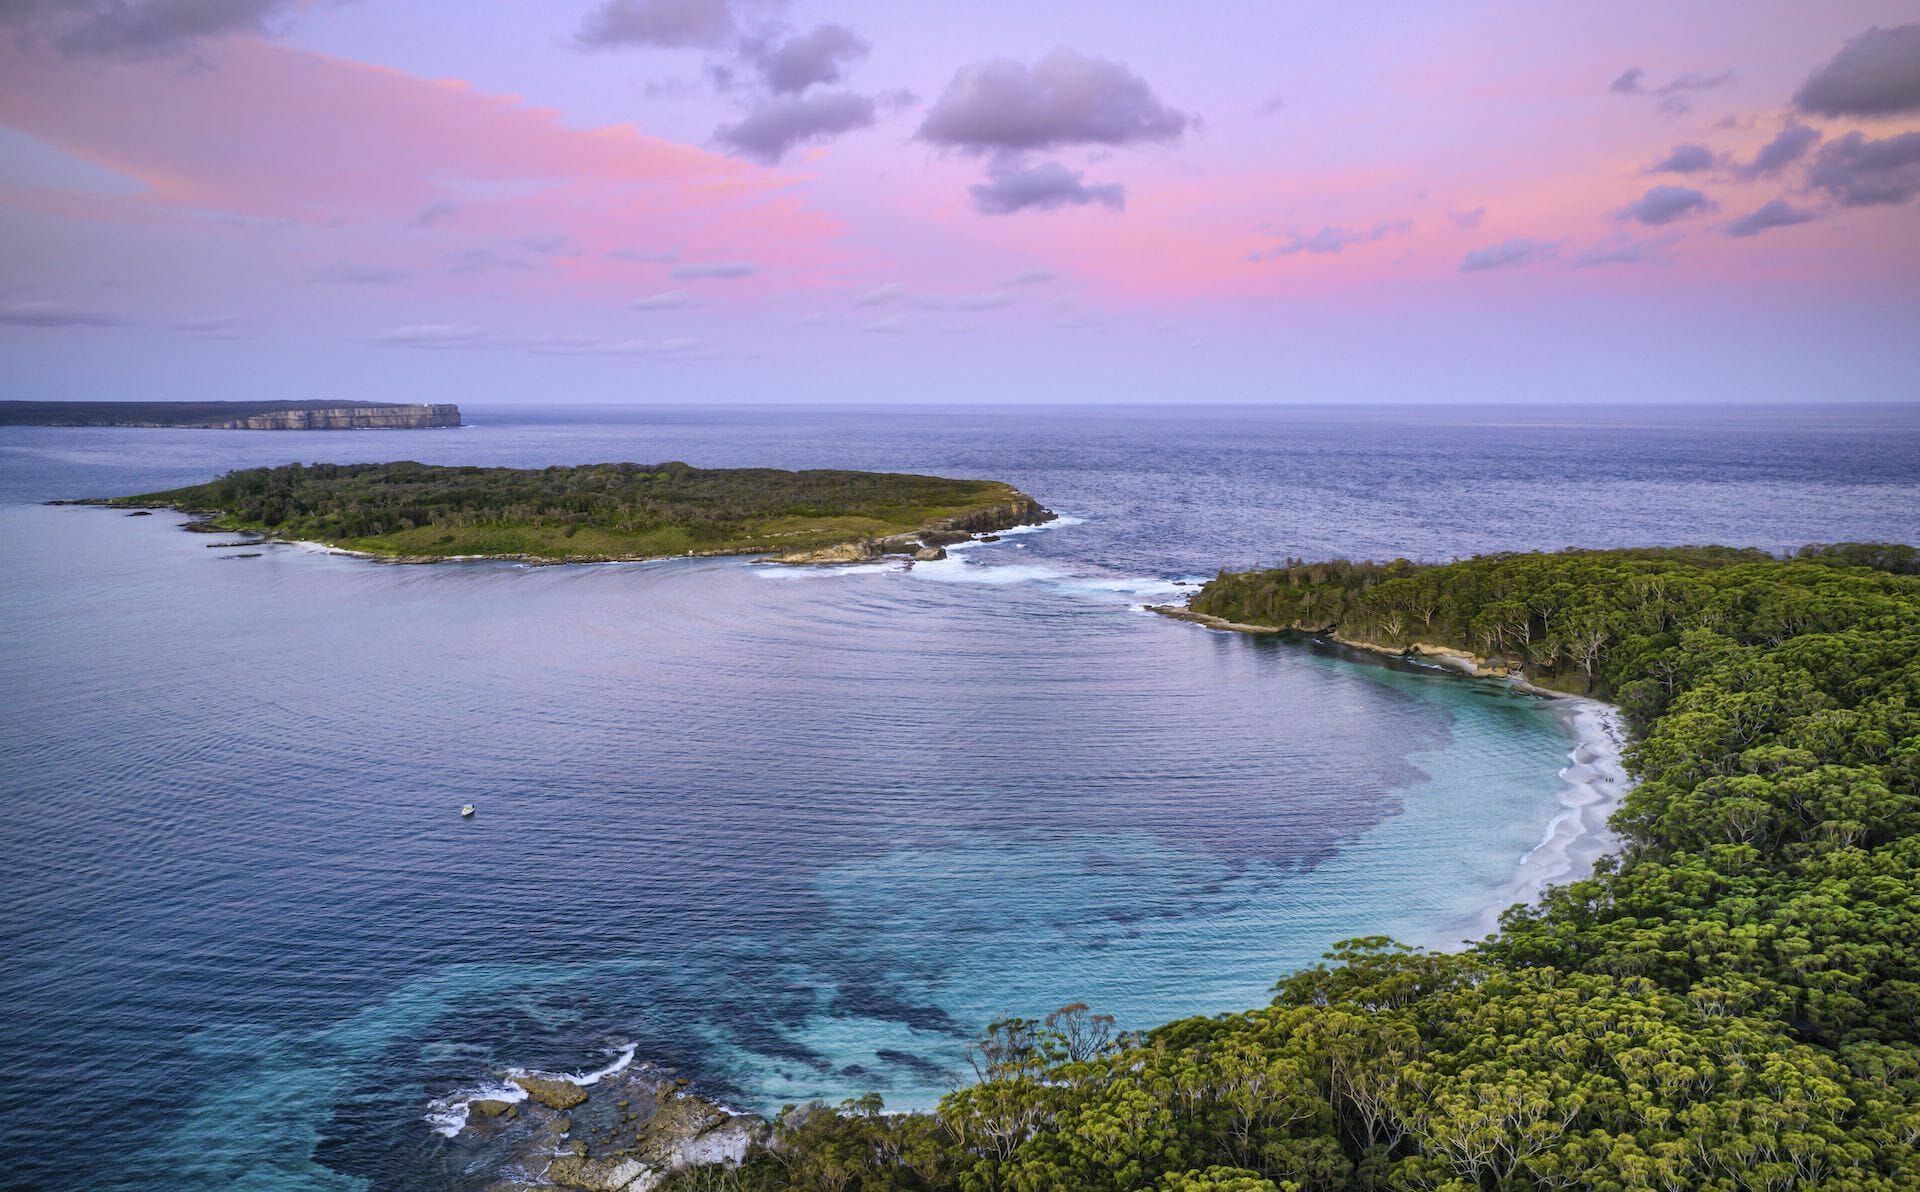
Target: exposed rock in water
637, 1128
930, 554
552, 1092
141, 513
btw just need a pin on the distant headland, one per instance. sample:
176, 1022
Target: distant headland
417, 513
231, 415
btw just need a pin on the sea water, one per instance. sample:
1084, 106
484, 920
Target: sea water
802, 833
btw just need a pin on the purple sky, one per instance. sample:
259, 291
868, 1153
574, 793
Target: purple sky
753, 201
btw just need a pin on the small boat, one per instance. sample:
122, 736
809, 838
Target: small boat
466, 811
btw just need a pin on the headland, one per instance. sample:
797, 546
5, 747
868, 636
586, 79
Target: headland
232, 415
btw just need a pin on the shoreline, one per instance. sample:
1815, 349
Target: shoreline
1593, 782
328, 548
1600, 733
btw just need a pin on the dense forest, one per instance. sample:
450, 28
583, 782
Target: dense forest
1731, 1003
619, 510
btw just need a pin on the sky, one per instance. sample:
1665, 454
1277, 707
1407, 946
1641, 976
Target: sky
751, 201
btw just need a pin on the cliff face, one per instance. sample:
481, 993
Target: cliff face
229, 415
350, 418
1019, 510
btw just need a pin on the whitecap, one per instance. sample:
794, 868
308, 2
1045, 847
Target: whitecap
1133, 589
1060, 521
619, 1065
448, 1114
975, 562
805, 570
956, 570
1128, 586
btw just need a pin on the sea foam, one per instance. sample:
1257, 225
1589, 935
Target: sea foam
448, 1115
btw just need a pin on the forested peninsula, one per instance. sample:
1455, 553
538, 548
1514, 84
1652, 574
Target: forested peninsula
1731, 1003
411, 512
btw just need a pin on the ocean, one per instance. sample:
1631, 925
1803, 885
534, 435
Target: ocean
797, 832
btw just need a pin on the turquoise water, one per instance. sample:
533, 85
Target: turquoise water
800, 833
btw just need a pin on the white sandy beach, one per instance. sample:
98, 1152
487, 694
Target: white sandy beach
1595, 781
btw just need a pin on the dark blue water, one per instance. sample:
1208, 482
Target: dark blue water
800, 832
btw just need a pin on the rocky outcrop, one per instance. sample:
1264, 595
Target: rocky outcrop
946, 537
625, 1132
1179, 613
1454, 659
1018, 510
552, 1092
1447, 656
1509, 669
605, 1175
843, 552
897, 544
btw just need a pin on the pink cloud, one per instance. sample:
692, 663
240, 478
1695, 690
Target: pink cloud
1185, 236
269, 132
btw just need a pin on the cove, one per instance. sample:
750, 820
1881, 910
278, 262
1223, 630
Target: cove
801, 833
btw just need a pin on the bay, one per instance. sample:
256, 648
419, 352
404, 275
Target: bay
800, 832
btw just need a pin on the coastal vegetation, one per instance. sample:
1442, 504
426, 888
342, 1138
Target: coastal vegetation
1733, 1002
595, 511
